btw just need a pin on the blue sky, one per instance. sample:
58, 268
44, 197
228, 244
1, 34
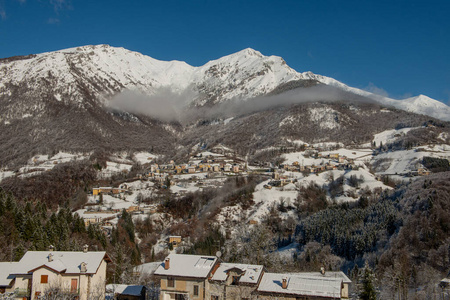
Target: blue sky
398, 48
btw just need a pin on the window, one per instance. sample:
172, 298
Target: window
44, 278
74, 285
181, 297
195, 290
170, 282
235, 280
214, 297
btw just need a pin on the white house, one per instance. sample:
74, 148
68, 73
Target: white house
82, 274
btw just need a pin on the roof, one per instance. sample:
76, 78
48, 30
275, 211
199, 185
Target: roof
5, 271
328, 274
251, 273
197, 266
123, 289
63, 261
301, 285
446, 280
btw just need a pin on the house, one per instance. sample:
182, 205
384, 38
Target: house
6, 280
445, 286
174, 240
330, 274
184, 276
106, 190
423, 172
295, 286
235, 281
75, 273
101, 190
334, 156
126, 292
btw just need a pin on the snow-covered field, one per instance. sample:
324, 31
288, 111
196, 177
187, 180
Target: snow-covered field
41, 163
266, 198
144, 157
405, 161
390, 136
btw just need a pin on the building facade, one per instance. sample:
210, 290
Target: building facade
80, 274
206, 277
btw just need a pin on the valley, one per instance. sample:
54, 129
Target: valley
243, 155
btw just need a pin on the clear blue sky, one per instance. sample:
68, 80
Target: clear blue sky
397, 47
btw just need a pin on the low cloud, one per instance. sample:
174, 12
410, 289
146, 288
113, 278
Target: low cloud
168, 106
164, 104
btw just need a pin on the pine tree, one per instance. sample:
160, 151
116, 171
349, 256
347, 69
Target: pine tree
368, 289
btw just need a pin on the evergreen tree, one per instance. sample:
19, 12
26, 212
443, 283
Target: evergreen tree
19, 252
368, 289
2, 206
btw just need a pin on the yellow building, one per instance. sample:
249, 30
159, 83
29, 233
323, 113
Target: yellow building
185, 276
174, 240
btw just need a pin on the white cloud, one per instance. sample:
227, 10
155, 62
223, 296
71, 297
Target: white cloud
60, 4
53, 21
376, 90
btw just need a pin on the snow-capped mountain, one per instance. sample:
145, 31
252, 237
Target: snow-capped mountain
62, 101
81, 75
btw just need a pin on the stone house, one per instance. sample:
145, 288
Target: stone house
235, 281
183, 276
206, 277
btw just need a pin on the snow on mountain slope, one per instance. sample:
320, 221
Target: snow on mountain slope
245, 74
100, 72
419, 104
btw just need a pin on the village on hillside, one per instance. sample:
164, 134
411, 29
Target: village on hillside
81, 275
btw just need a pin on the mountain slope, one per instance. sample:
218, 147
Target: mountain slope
59, 101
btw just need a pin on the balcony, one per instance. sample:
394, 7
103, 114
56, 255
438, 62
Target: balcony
21, 293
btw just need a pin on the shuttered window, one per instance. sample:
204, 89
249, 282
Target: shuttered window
44, 278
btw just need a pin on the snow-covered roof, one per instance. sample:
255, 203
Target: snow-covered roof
328, 274
301, 285
63, 261
5, 271
251, 273
446, 280
198, 266
123, 289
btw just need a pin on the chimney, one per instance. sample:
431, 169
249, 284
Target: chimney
51, 248
167, 264
83, 267
50, 257
284, 283
322, 270
85, 248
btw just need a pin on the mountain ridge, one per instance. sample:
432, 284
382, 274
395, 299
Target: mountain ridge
241, 75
